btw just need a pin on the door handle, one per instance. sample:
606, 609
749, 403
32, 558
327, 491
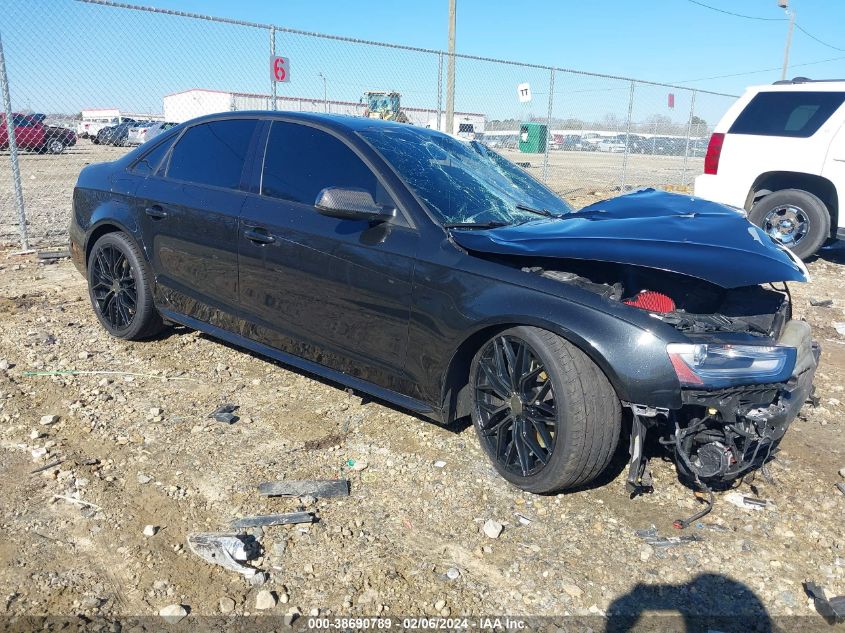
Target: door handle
259, 236
156, 212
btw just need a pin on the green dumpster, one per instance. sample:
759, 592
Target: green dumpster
532, 138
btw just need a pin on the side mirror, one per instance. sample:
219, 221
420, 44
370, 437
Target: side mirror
351, 204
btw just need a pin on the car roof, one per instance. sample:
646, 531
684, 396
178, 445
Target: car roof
341, 122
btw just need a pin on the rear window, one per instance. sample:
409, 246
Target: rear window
796, 114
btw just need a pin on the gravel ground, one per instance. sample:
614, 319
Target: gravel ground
138, 449
581, 177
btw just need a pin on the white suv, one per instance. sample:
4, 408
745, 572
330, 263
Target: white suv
779, 153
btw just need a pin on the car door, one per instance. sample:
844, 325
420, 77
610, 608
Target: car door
189, 220
329, 290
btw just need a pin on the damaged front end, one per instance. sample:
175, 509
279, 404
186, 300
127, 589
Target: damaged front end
715, 288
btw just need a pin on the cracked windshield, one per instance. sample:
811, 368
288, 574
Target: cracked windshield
464, 183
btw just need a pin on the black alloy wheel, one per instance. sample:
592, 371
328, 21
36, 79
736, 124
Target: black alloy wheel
120, 287
516, 406
114, 287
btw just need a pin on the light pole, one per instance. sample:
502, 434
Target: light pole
450, 72
325, 93
784, 4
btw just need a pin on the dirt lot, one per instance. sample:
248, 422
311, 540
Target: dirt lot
581, 177
138, 449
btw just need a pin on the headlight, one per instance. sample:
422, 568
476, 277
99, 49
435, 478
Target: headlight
709, 365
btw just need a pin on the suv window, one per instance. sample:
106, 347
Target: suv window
797, 114
150, 161
301, 161
212, 153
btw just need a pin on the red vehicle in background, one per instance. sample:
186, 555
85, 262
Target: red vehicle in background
31, 134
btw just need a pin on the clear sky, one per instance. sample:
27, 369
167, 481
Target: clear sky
64, 55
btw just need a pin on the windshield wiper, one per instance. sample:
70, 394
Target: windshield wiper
543, 212
475, 225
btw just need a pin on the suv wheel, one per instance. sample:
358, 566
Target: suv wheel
795, 218
545, 414
120, 289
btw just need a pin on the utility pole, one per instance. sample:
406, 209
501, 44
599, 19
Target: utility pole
784, 4
450, 73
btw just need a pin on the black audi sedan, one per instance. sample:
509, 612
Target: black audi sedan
432, 273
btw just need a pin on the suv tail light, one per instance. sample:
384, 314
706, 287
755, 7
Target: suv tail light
714, 152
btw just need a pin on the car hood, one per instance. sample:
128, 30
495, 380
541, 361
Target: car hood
655, 229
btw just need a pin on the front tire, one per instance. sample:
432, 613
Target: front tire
119, 286
795, 218
545, 414
55, 146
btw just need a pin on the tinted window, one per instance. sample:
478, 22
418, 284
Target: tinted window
798, 114
301, 161
152, 159
212, 153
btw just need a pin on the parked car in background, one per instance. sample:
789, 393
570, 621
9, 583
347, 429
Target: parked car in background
32, 134
142, 132
431, 272
116, 134
612, 145
89, 128
779, 153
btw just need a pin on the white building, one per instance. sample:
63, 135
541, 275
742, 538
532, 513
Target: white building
189, 104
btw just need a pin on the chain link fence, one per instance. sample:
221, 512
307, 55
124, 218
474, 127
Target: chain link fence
586, 135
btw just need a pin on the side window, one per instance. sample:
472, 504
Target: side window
796, 114
150, 161
212, 153
301, 161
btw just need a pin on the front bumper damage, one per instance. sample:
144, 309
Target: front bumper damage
722, 434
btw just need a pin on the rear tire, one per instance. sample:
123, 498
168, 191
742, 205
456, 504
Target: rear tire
796, 218
120, 289
577, 407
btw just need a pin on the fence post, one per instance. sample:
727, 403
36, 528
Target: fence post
689, 133
549, 125
627, 138
13, 150
272, 78
439, 89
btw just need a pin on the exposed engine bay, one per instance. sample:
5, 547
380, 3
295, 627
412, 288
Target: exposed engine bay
690, 305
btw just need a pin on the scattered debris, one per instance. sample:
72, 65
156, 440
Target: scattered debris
839, 327
225, 413
452, 573
173, 613
439, 464
265, 600
275, 519
746, 503
524, 520
315, 488
832, 610
53, 255
821, 303
357, 465
78, 501
49, 419
47, 466
150, 530
144, 479
493, 528
225, 549
715, 527
842, 472
653, 538
841, 487
259, 578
